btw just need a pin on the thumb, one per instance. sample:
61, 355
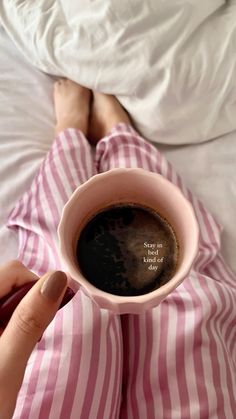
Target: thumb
27, 324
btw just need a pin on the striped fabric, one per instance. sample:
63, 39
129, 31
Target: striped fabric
176, 361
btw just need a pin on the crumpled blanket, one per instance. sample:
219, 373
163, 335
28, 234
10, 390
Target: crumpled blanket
171, 64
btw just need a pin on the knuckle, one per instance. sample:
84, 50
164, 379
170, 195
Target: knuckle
27, 320
14, 264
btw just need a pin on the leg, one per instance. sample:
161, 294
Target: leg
68, 163
179, 356
75, 370
122, 146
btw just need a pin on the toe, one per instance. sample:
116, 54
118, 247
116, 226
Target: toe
58, 84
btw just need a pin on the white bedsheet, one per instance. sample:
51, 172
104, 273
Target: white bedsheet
27, 121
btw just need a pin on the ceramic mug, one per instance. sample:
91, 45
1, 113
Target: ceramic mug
119, 186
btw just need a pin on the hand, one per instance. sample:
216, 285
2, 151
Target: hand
27, 324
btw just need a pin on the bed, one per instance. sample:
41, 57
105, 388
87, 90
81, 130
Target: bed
181, 94
27, 129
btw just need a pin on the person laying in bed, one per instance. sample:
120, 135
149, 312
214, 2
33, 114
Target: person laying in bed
177, 360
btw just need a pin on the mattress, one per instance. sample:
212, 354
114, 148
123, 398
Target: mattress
27, 128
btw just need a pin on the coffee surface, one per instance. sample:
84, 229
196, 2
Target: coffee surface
127, 250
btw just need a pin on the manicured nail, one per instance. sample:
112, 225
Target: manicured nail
53, 287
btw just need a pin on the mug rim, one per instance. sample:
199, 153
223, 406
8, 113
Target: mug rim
118, 303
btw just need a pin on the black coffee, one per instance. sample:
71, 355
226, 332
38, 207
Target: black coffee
127, 250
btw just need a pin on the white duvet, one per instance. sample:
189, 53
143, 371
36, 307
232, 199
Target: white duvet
171, 63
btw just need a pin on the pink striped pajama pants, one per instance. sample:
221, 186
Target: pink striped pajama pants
176, 361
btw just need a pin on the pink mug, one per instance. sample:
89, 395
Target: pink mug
119, 186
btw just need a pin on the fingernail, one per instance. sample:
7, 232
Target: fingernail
53, 287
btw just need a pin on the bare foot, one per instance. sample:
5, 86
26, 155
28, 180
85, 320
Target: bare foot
106, 111
72, 103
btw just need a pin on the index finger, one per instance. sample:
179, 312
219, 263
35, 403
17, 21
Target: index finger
14, 274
